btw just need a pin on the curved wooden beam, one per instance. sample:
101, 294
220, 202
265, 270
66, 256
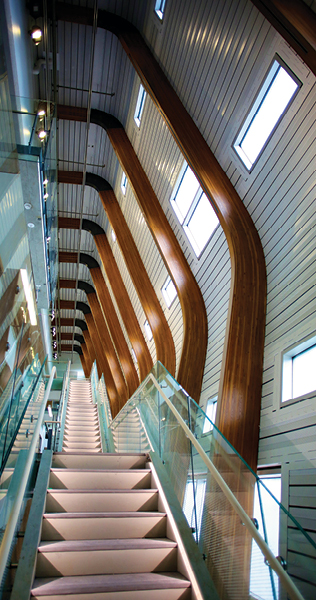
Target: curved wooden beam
87, 360
102, 332
91, 350
98, 349
241, 377
119, 342
124, 304
296, 22
144, 288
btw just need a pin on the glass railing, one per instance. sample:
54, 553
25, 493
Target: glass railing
223, 499
100, 398
12, 415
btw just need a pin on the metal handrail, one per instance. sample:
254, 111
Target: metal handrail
286, 581
7, 454
9, 534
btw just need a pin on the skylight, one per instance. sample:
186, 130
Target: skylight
124, 184
160, 8
274, 97
169, 291
193, 209
148, 331
139, 105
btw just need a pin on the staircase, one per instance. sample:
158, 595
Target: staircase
22, 440
129, 434
103, 535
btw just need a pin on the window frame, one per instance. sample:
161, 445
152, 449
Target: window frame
159, 9
185, 220
256, 105
124, 183
287, 371
140, 103
164, 294
148, 329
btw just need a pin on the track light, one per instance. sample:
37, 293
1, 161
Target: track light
42, 134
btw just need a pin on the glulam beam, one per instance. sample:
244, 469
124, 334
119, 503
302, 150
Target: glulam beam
102, 330
242, 364
117, 339
122, 299
154, 313
98, 349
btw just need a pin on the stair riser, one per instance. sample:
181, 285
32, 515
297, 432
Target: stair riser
105, 461
112, 502
53, 564
166, 594
99, 480
103, 528
81, 446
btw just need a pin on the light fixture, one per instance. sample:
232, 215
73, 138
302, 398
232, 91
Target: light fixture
36, 34
31, 225
45, 196
27, 205
48, 239
28, 296
42, 134
45, 182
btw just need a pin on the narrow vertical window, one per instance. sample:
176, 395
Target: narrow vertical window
193, 209
169, 291
148, 331
124, 184
160, 8
139, 105
273, 99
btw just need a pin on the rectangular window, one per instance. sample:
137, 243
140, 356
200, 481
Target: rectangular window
210, 412
148, 331
274, 97
193, 503
169, 291
113, 235
160, 8
193, 209
124, 184
298, 371
139, 105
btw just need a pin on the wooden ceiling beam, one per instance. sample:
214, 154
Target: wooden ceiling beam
118, 340
165, 349
122, 298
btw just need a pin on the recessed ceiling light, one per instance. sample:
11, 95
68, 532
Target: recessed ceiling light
36, 35
42, 134
27, 205
31, 225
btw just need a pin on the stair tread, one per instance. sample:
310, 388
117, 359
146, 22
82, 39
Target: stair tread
107, 544
120, 471
108, 454
111, 515
81, 584
118, 491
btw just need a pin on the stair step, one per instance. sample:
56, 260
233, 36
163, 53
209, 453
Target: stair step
100, 461
99, 500
122, 586
93, 479
111, 525
97, 557
82, 445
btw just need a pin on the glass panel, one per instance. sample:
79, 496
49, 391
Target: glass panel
185, 191
169, 292
304, 373
201, 224
230, 553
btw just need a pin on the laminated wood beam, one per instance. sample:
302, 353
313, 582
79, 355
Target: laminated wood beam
102, 331
124, 304
87, 360
296, 22
154, 313
98, 350
126, 361
116, 349
91, 351
241, 376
